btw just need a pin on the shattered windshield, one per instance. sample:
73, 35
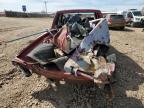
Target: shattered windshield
137, 13
82, 15
76, 17
81, 18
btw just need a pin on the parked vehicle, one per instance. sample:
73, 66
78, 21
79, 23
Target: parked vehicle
115, 21
74, 49
134, 18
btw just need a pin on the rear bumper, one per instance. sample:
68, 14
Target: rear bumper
116, 25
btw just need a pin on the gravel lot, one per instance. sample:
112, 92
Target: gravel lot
17, 91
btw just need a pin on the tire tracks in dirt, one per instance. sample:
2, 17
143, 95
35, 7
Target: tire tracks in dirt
5, 78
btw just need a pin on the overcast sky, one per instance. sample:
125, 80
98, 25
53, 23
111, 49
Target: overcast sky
54, 5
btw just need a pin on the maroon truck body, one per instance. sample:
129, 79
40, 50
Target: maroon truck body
22, 60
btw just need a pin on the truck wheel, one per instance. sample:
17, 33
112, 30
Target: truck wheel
24, 70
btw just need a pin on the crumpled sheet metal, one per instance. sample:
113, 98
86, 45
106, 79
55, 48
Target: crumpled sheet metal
78, 62
98, 66
99, 34
87, 62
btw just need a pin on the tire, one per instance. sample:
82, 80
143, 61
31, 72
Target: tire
26, 72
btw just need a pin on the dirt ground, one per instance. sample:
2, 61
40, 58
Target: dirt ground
17, 91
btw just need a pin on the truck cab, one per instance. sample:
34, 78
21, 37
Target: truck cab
61, 16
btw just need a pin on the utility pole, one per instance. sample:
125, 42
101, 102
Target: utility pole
45, 2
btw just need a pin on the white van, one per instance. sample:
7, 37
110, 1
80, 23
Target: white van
134, 17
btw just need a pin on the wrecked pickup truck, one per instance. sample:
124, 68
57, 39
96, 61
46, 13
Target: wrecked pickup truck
74, 49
